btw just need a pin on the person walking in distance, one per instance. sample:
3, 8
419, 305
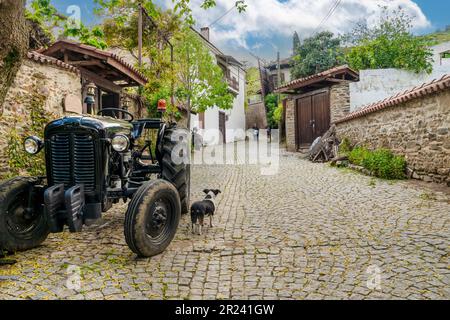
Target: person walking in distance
256, 132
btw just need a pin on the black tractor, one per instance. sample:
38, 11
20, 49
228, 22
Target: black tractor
92, 162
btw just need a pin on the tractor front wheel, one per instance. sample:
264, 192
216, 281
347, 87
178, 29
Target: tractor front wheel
23, 224
152, 218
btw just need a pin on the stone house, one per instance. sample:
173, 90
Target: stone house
110, 73
58, 79
314, 103
51, 83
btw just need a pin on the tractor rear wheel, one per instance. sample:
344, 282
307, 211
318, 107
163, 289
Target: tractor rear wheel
23, 224
175, 143
152, 218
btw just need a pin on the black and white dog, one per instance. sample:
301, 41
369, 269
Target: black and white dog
202, 209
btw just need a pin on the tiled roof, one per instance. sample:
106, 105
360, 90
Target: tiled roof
321, 76
43, 59
402, 97
104, 54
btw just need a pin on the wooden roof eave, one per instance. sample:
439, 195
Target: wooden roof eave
67, 46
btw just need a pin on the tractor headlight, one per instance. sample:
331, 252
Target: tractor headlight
33, 145
120, 142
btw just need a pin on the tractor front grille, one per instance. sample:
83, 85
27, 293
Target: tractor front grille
72, 160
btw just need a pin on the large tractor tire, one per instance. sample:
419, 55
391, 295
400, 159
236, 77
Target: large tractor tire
21, 228
175, 141
152, 218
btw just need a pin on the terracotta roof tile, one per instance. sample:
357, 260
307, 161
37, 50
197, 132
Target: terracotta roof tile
302, 82
43, 59
419, 91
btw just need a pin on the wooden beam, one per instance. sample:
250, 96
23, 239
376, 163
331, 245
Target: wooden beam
335, 80
100, 82
87, 63
53, 49
124, 70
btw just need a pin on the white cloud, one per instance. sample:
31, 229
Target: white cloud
268, 20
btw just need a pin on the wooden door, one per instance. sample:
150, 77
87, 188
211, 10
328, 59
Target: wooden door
321, 114
222, 126
304, 118
312, 117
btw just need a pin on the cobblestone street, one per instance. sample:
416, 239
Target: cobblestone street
310, 232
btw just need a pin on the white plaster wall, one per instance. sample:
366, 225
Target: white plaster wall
376, 85
236, 115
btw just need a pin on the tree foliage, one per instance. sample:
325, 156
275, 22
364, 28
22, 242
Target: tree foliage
193, 77
389, 44
13, 42
44, 15
200, 80
317, 53
271, 102
295, 42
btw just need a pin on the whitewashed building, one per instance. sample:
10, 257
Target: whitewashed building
231, 123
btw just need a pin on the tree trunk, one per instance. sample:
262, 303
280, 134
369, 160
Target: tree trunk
13, 42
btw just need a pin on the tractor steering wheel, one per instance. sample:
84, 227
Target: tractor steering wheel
131, 117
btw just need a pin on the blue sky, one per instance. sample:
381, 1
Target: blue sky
267, 25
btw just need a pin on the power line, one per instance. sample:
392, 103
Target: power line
222, 16
328, 16
333, 6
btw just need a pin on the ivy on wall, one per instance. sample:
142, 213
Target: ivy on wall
31, 124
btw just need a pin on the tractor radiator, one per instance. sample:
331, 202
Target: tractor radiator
72, 160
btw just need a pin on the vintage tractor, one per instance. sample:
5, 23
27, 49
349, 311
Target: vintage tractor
93, 162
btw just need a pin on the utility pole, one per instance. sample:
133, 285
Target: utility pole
140, 27
279, 69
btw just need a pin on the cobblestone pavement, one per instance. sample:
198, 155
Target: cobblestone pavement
310, 232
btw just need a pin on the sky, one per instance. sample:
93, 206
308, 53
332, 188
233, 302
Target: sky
267, 25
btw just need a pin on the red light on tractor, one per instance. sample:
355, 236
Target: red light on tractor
162, 105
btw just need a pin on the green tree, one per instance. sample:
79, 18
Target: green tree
194, 77
253, 81
317, 53
389, 44
295, 42
13, 42
271, 102
200, 84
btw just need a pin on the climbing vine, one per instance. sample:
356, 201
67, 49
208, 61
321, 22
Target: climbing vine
20, 162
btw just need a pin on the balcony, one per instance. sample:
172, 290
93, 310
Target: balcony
233, 85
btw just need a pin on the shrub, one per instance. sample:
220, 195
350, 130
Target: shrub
345, 147
357, 155
382, 162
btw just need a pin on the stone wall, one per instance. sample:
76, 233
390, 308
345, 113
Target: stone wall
339, 101
256, 113
33, 77
418, 129
290, 125
47, 83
